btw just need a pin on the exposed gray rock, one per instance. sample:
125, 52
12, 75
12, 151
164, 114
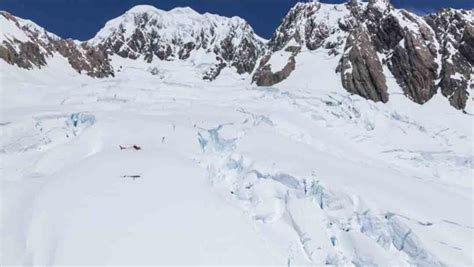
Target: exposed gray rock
265, 77
84, 58
424, 54
410, 55
24, 54
467, 43
361, 70
414, 68
41, 45
386, 30
455, 34
214, 71
455, 80
27, 56
185, 51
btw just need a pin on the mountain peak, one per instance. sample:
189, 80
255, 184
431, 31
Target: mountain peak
184, 10
380, 4
180, 20
149, 9
149, 33
144, 9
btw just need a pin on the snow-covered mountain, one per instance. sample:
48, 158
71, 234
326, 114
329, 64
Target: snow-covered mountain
113, 153
27, 45
142, 33
153, 34
375, 41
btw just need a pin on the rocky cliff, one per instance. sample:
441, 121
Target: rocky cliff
27, 45
426, 55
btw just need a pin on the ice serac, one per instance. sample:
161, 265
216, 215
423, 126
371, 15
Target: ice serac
27, 45
153, 34
424, 54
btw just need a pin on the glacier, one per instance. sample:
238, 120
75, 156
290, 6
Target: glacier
301, 173
229, 173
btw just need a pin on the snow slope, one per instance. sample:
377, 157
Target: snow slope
301, 173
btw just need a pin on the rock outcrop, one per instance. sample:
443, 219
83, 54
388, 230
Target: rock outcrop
27, 45
265, 76
454, 31
361, 70
413, 60
425, 55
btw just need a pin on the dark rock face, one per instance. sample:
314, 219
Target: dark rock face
409, 52
424, 54
467, 43
214, 71
84, 58
41, 45
24, 54
415, 69
388, 33
455, 34
361, 70
186, 50
245, 58
455, 81
265, 77
27, 56
163, 53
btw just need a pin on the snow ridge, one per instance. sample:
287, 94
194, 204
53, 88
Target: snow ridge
150, 33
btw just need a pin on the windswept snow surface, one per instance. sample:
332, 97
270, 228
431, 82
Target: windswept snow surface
298, 174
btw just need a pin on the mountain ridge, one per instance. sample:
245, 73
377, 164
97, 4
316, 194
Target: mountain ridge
373, 36
426, 54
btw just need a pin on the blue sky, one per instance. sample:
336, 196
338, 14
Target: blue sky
81, 19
